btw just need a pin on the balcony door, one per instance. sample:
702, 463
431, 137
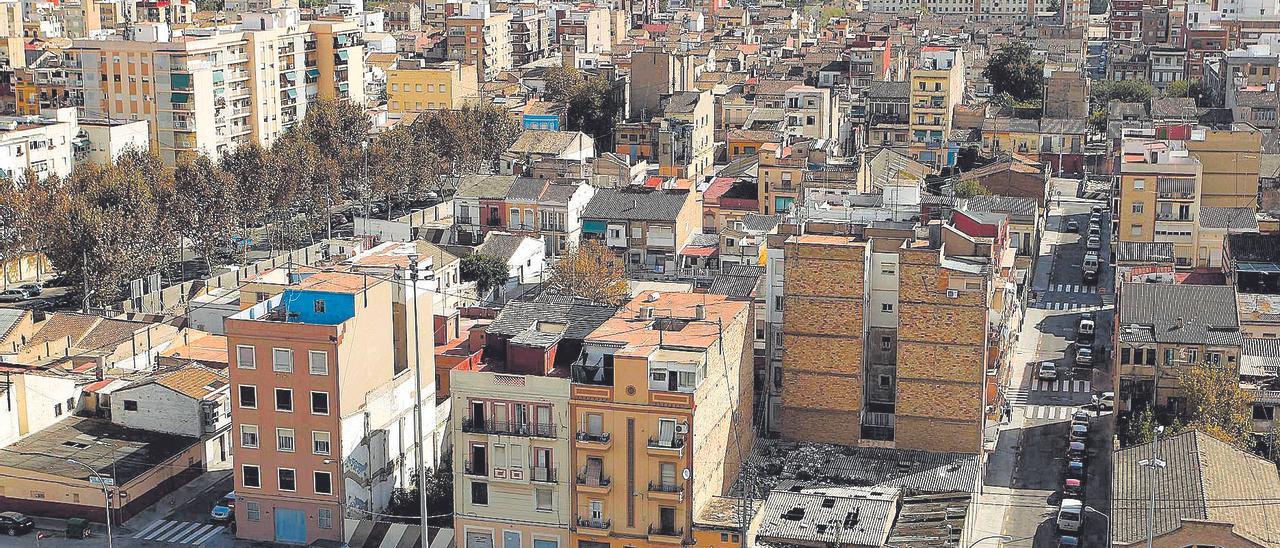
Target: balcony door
479, 459
595, 470
477, 414
667, 519
595, 424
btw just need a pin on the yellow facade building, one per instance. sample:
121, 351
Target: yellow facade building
661, 405
415, 86
937, 86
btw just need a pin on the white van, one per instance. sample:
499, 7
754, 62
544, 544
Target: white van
1070, 515
1090, 263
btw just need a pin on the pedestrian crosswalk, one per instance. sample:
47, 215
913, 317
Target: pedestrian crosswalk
1061, 385
1050, 412
1073, 288
179, 532
1066, 306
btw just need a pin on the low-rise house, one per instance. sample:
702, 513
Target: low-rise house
479, 206
830, 516
525, 258
1026, 223
551, 211
1215, 224
1199, 473
1062, 143
1165, 328
538, 144
646, 226
194, 402
725, 200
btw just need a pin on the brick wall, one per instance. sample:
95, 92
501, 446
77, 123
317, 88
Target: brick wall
940, 359
822, 338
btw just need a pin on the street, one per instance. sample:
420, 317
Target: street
1028, 466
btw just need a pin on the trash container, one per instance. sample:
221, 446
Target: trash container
77, 528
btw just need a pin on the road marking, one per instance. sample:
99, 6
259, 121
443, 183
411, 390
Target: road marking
1060, 385
208, 535
162, 530
178, 532
148, 528
195, 534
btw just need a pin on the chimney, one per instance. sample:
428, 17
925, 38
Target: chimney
1177, 323
699, 311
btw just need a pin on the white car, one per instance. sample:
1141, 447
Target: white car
1093, 243
1105, 400
1047, 371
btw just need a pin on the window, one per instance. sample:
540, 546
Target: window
248, 397
319, 403
324, 483
251, 474
886, 307
1139, 184
542, 499
130, 405
318, 306
324, 518
1137, 207
252, 511
886, 343
318, 362
282, 360
1135, 230
889, 269
777, 303
1263, 412
57, 410
245, 356
284, 400
885, 381
288, 479
249, 436
479, 493
284, 440
320, 443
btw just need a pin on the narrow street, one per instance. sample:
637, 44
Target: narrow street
1027, 468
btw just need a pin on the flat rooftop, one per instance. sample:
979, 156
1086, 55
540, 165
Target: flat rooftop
128, 452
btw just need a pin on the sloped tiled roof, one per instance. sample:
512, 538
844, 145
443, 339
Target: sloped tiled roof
542, 141
492, 187
1154, 252
1260, 357
1203, 479
889, 90
501, 245
1020, 209
1182, 108
1207, 313
1240, 218
196, 382
635, 205
581, 318
9, 318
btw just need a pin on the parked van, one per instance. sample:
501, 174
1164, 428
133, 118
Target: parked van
1070, 515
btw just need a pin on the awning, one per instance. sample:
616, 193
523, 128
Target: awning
313, 73
178, 97
291, 76
344, 55
342, 86
691, 251
218, 77
181, 81
595, 227
293, 94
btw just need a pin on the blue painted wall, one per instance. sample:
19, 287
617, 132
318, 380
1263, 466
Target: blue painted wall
338, 307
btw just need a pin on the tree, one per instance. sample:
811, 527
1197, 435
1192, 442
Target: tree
1140, 429
1186, 88
1013, 70
248, 168
591, 105
205, 205
592, 272
1125, 91
1098, 120
828, 13
970, 188
399, 164
337, 129
1216, 404
467, 140
486, 270
405, 502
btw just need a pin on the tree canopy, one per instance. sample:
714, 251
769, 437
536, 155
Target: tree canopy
970, 188
1216, 404
1013, 70
592, 272
591, 106
486, 271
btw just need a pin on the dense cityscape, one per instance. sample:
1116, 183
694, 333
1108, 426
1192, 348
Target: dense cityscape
639, 273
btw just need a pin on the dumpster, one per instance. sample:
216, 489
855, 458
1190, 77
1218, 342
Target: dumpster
77, 528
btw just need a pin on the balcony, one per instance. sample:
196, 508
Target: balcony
594, 484
494, 221
660, 446
601, 441
594, 527
542, 475
463, 220
1174, 217
666, 491
471, 469
666, 535
490, 426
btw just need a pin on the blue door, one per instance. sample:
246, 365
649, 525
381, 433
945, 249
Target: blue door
291, 526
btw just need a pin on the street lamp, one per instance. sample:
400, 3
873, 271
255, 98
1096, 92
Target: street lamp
342, 514
1107, 529
1001, 538
1155, 464
106, 496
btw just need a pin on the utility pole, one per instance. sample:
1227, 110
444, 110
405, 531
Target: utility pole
417, 391
1155, 464
84, 274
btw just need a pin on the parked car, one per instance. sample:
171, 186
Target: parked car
1076, 449
1096, 209
12, 296
1047, 371
1068, 541
1085, 330
33, 289
1079, 433
1070, 515
1073, 488
1094, 243
224, 510
14, 524
1075, 469
1105, 400
1073, 226
39, 305
1084, 356
1080, 416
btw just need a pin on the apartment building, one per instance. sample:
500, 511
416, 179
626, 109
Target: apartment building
884, 331
686, 144
657, 73
413, 85
403, 17
585, 28
1230, 162
1159, 196
811, 113
781, 172
661, 403
214, 90
322, 414
646, 226
532, 33
46, 146
937, 86
512, 429
550, 211
1164, 328
1066, 94
481, 38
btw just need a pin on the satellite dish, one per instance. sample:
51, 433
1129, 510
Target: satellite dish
686, 474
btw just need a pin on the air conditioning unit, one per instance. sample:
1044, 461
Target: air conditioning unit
682, 428
646, 312
952, 293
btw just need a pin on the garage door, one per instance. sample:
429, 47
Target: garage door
479, 540
291, 526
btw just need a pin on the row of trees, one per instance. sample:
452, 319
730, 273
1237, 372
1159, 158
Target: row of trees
108, 224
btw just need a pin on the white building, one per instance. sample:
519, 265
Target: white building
45, 145
525, 257
109, 138
193, 401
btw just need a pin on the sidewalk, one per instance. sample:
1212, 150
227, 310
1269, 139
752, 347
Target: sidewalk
179, 497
